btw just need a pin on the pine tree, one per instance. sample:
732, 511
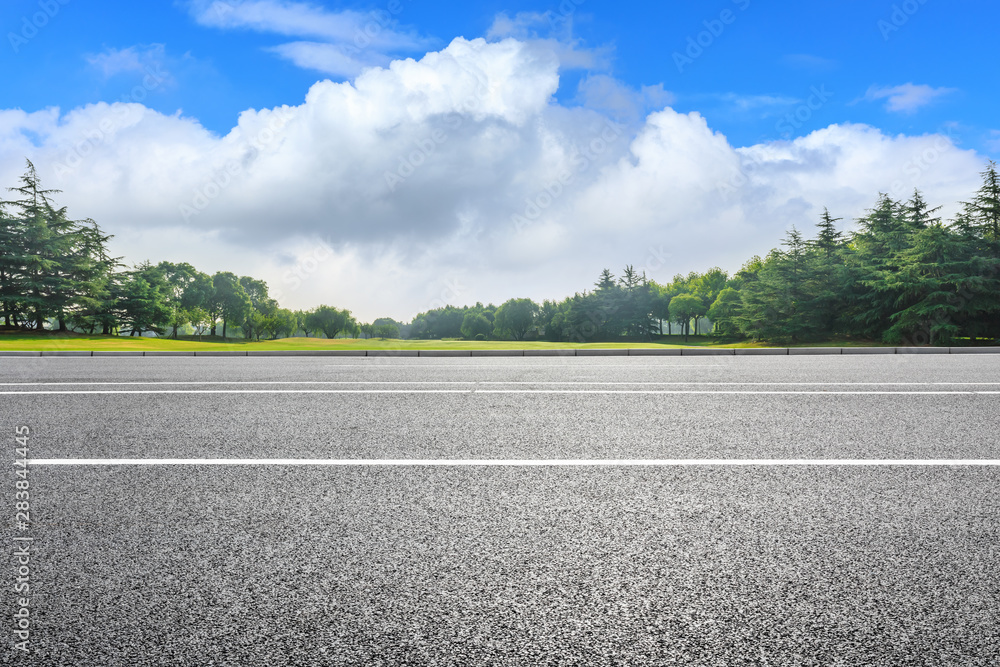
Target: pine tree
829, 237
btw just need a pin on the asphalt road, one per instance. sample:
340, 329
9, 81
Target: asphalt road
560, 565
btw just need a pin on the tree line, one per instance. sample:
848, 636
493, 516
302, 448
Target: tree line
903, 276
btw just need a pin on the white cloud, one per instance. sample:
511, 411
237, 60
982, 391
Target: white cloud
349, 40
609, 95
140, 59
331, 59
553, 30
906, 98
457, 178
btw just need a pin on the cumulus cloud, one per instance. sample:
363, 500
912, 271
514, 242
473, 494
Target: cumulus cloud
906, 98
458, 178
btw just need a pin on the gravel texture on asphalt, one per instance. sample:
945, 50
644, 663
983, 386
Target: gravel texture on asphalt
264, 565
276, 566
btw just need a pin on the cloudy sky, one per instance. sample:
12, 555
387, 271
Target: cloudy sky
395, 155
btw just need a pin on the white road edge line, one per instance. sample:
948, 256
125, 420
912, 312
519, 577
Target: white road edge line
502, 382
85, 392
517, 462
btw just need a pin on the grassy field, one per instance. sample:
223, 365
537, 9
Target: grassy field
73, 341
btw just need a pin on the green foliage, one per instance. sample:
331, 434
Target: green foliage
515, 318
475, 324
388, 330
684, 308
331, 321
902, 276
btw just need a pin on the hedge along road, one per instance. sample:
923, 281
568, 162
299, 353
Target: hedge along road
767, 563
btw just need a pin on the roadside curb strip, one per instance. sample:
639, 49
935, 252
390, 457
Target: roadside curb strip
761, 351
868, 350
602, 352
20, 353
444, 353
550, 353
118, 353
497, 353
918, 350
817, 350
975, 350
654, 352
393, 353
707, 351
66, 353
167, 353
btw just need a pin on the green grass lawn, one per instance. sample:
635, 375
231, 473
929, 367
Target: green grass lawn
74, 341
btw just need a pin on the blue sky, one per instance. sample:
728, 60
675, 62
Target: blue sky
761, 66
526, 145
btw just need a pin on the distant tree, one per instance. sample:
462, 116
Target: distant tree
230, 299
684, 308
199, 320
475, 324
725, 310
829, 237
331, 321
145, 300
302, 316
515, 318
386, 331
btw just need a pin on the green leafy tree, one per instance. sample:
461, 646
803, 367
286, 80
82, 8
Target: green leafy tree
384, 331
475, 324
229, 300
684, 308
515, 318
331, 321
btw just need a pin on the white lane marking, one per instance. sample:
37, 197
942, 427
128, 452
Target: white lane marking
87, 392
502, 382
520, 462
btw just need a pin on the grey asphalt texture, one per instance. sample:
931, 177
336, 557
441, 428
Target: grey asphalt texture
264, 565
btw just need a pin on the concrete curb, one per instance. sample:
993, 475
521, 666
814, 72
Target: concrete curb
654, 352
581, 352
